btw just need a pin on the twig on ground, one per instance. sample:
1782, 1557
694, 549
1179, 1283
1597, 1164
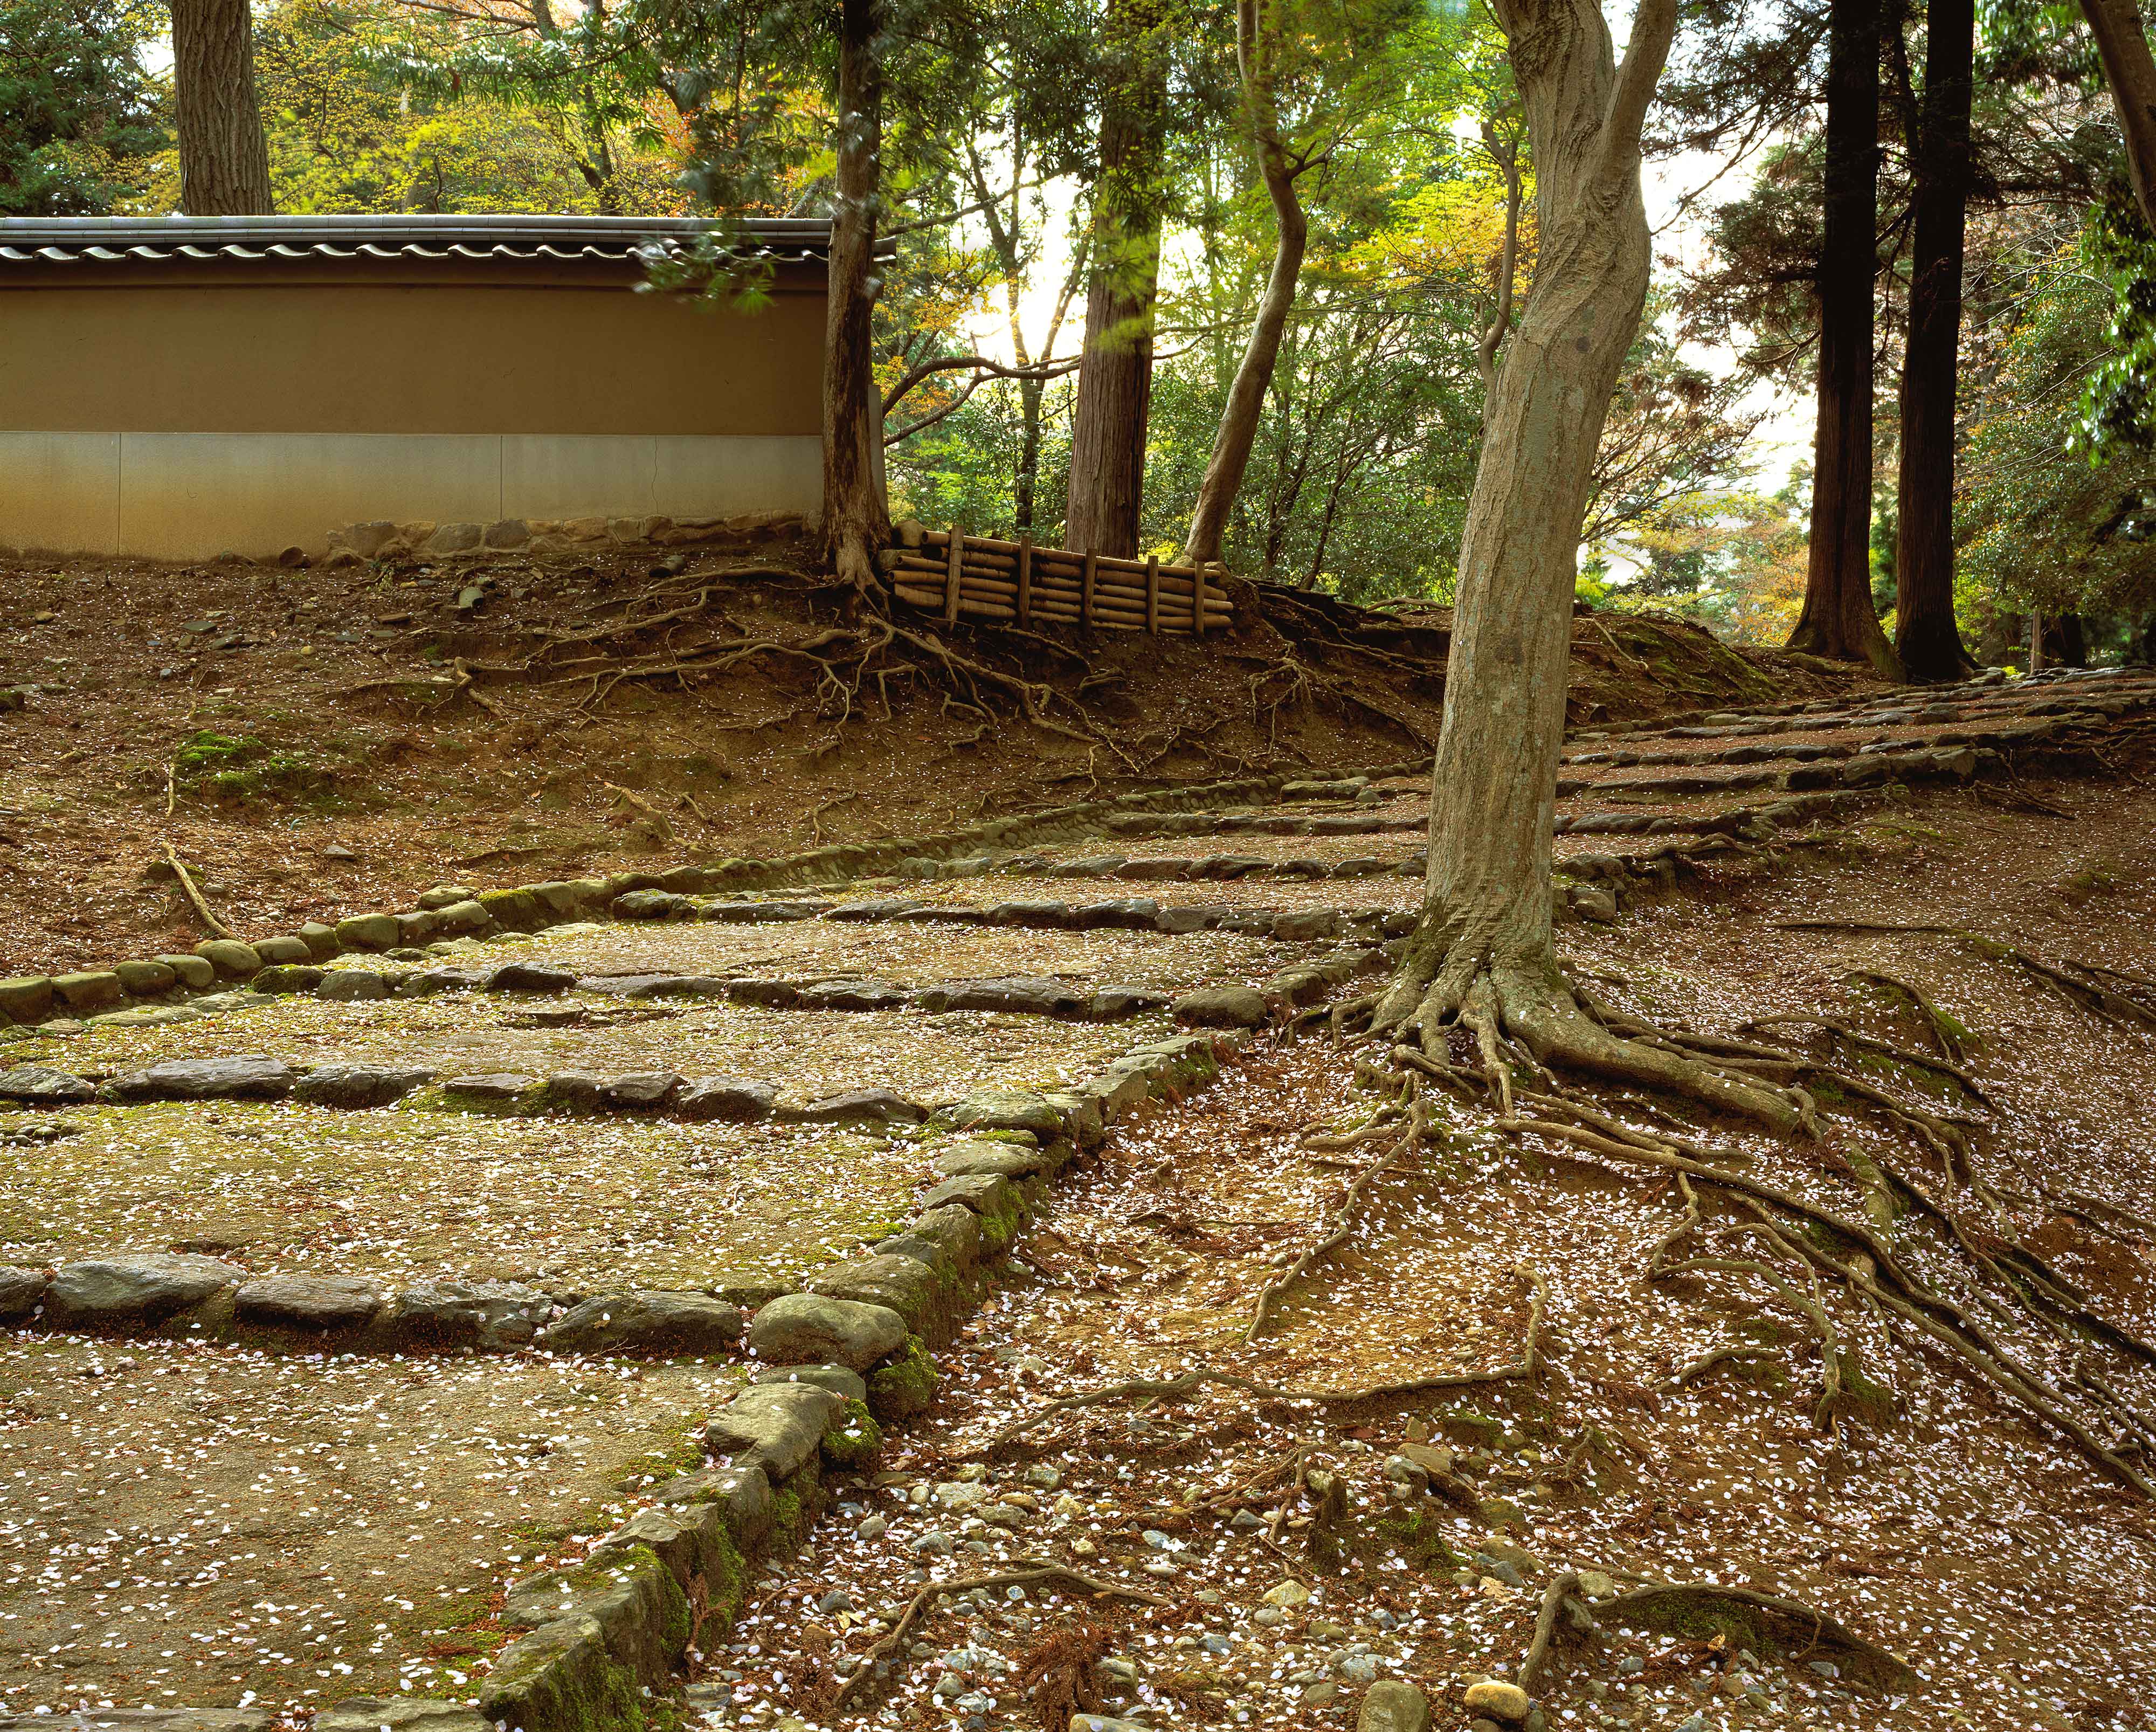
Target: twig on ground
195, 896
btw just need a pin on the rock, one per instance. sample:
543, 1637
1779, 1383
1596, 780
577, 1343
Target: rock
232, 959
951, 1234
282, 978
645, 1091
480, 1314
144, 977
998, 1109
194, 973
529, 977
21, 1289
1321, 1694
1595, 1585
369, 931
812, 1329
496, 1088
900, 1283
1307, 925
41, 1086
1290, 1592
351, 986
847, 1385
454, 538
1105, 1723
841, 994
1222, 1007
1501, 1701
250, 1077
285, 950
87, 994
860, 1106
664, 1323
1394, 1705
355, 1087
987, 1194
1116, 1003
27, 998
733, 1100
309, 1302
776, 1426
122, 1290
1024, 995
401, 1714
748, 1288
576, 1092
1012, 1160
142, 1720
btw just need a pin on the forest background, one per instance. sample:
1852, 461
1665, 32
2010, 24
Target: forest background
1392, 127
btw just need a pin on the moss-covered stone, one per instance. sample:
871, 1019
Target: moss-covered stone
906, 1386
854, 1439
563, 1679
518, 910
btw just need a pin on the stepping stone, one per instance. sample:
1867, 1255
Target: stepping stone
249, 1077
356, 1085
854, 995
945, 913
983, 1193
1157, 868
1222, 1007
87, 994
1117, 1004
748, 1288
776, 1426
655, 986
401, 1714
146, 1719
653, 905
1003, 1109
503, 1087
756, 913
41, 1086
872, 908
902, 1284
1227, 866
1090, 866
529, 977
847, 1385
951, 1234
1136, 913
21, 1289
122, 1290
648, 1323
731, 1100
1195, 919
812, 1328
309, 1302
481, 1313
645, 1091
1008, 1160
349, 986
1051, 915
860, 1106
768, 995
1024, 995
1307, 925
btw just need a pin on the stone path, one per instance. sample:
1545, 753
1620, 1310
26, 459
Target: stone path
355, 1275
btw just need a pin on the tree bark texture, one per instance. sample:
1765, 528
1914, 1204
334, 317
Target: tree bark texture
1925, 636
1256, 53
1838, 619
2129, 70
1115, 383
1481, 954
856, 516
224, 162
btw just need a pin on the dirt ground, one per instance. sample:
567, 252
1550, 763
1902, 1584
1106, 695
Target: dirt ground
1948, 1527
305, 736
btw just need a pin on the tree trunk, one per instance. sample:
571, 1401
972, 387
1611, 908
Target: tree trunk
1838, 619
224, 163
1925, 634
1029, 392
1255, 37
1482, 952
1115, 383
856, 517
2130, 71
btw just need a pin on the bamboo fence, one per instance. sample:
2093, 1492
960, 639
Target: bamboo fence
970, 577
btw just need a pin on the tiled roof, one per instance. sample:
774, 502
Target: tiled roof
110, 241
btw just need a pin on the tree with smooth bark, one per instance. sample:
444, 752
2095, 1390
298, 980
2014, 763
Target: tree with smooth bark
1925, 637
2129, 72
224, 161
1838, 620
1115, 382
1481, 957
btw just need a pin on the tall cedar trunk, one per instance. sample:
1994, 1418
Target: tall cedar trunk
1029, 452
1838, 619
1115, 380
224, 163
1485, 915
1925, 636
2130, 71
1255, 36
857, 518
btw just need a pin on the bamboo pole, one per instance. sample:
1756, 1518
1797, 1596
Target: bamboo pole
1025, 580
951, 577
1153, 594
1085, 588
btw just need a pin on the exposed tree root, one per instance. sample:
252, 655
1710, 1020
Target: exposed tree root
1147, 1391
1026, 1573
1766, 1623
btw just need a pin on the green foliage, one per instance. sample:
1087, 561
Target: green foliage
242, 767
80, 116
